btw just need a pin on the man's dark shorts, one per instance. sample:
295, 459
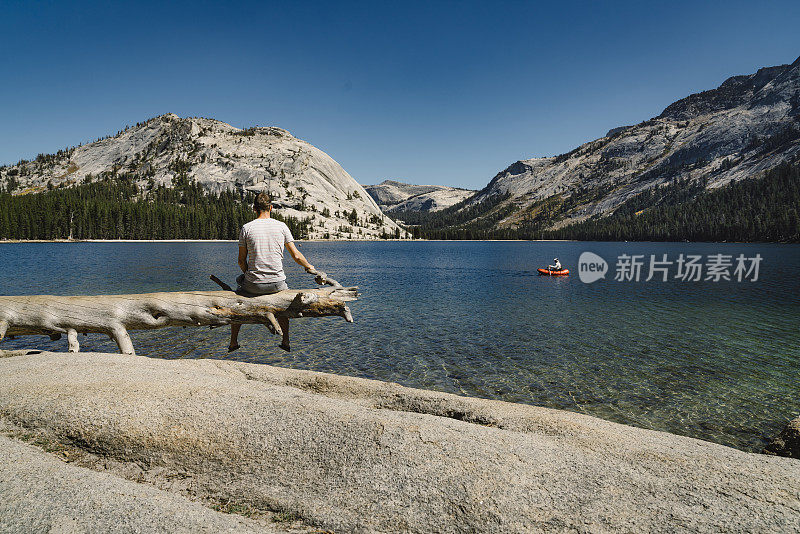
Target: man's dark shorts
252, 289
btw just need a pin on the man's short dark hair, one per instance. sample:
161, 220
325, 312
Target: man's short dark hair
263, 202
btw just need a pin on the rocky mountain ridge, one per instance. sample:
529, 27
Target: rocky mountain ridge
305, 182
394, 196
747, 125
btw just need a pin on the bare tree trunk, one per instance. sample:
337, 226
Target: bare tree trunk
114, 315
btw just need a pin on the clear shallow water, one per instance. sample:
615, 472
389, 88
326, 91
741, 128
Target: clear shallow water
716, 361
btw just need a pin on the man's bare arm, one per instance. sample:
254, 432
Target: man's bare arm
298, 257
243, 258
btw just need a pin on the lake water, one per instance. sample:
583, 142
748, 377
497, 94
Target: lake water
716, 361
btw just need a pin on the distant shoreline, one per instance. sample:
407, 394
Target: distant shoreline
117, 241
20, 241
9, 241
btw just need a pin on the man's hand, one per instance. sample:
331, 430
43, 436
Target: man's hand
311, 269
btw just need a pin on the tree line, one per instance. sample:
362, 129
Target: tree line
114, 207
754, 209
459, 221
763, 208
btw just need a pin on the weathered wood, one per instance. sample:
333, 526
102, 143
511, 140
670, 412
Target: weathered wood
72, 338
115, 315
322, 279
221, 284
275, 328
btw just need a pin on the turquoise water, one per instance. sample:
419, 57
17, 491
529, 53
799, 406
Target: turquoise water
715, 361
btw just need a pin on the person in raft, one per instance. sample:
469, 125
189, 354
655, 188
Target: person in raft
261, 244
556, 267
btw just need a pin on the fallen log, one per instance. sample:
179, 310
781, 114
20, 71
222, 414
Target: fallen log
115, 315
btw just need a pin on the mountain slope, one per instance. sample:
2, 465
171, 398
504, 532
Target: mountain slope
747, 125
306, 183
394, 196
766, 208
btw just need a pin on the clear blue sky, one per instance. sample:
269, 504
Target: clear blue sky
431, 92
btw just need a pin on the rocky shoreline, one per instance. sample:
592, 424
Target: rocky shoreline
116, 442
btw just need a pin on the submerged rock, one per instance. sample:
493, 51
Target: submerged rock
787, 443
355, 455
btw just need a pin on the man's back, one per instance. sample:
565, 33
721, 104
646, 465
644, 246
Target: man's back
265, 239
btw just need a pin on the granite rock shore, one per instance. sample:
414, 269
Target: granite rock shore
345, 454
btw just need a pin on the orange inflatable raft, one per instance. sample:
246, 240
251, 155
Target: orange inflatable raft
548, 272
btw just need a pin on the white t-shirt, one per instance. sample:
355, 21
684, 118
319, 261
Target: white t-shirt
264, 239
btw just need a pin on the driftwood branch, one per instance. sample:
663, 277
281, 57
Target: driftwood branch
115, 315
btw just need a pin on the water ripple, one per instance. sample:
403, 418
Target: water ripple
712, 361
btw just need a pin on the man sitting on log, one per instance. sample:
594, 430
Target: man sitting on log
261, 244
